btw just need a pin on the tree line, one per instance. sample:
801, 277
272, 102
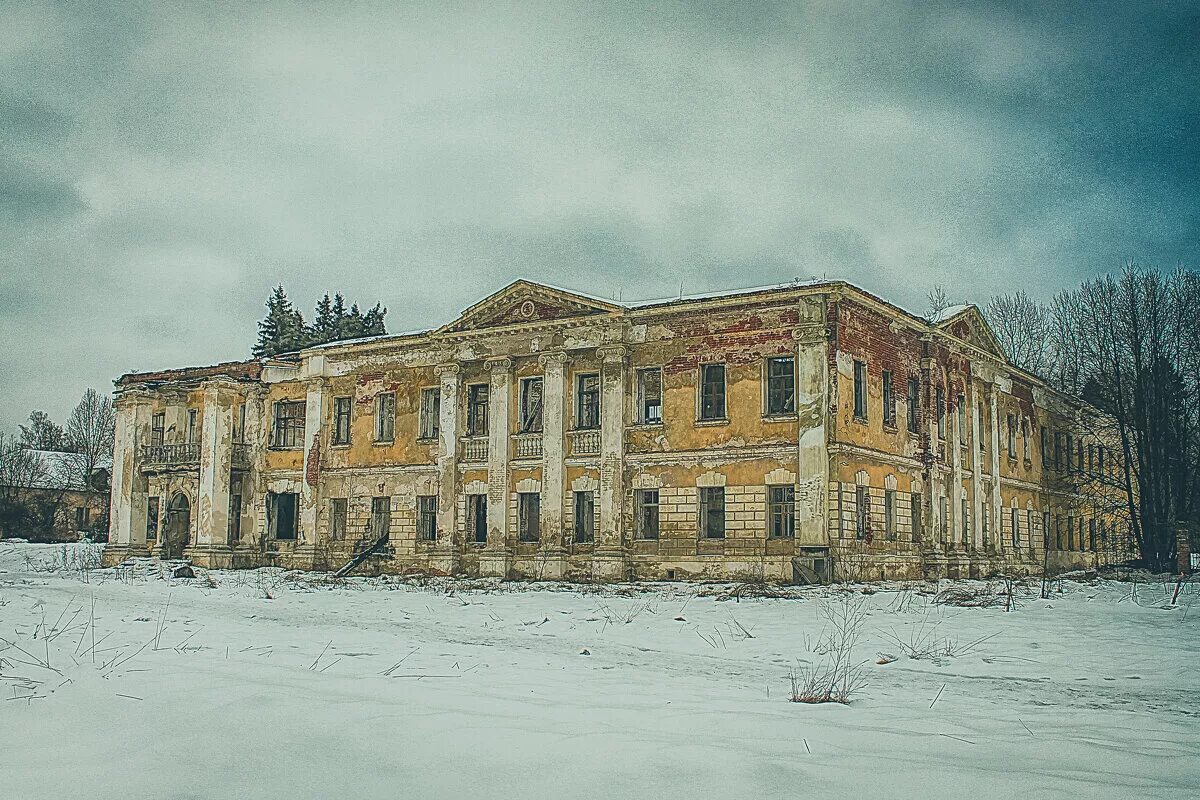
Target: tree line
283, 329
1129, 345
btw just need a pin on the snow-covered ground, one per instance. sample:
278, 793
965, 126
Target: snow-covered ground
133, 684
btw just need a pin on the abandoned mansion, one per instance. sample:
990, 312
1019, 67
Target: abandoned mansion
804, 432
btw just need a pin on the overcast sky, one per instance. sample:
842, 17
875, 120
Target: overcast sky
162, 166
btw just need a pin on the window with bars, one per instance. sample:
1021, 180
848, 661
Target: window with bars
647, 513
341, 420
477, 409
781, 512
889, 399
288, 430
429, 415
531, 405
529, 520
712, 392
712, 512
426, 517
585, 517
385, 417
781, 386
649, 395
587, 401
860, 390
339, 514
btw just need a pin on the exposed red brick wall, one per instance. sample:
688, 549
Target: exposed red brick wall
238, 370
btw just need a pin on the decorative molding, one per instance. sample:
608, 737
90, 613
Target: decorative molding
710, 479
780, 476
556, 359
585, 483
646, 480
529, 485
475, 487
612, 353
445, 371
495, 365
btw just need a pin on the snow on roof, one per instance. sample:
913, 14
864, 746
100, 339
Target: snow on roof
720, 293
949, 312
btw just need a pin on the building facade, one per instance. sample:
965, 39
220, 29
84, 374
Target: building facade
793, 433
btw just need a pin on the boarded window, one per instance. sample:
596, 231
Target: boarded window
288, 430
477, 518
431, 409
585, 517
781, 512
781, 386
860, 390
338, 514
712, 392
477, 409
151, 518
647, 513
531, 405
650, 395
587, 401
426, 518
381, 517
385, 417
712, 512
282, 515
341, 420
889, 399
529, 516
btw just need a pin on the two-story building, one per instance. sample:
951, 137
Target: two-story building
784, 433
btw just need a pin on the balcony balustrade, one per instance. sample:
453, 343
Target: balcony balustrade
475, 449
527, 445
585, 442
170, 456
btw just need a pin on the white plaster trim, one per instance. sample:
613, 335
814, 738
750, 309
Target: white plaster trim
779, 476
529, 485
475, 487
585, 483
710, 479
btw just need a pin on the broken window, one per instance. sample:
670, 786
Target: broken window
158, 427
477, 409
339, 513
282, 514
585, 517
193, 433
647, 513
862, 508
889, 513
288, 430
431, 409
235, 517
341, 420
712, 392
531, 405
712, 512
587, 401
477, 518
914, 511
650, 395
151, 518
860, 390
889, 399
426, 517
529, 513
781, 512
914, 405
381, 517
781, 386
385, 417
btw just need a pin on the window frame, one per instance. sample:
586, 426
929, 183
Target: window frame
427, 518
529, 509
712, 512
158, 429
531, 421
643, 416
587, 401
342, 410
889, 514
478, 408
644, 509
288, 429
860, 390
583, 525
772, 391
916, 521
429, 412
385, 418
781, 511
719, 392
381, 510
339, 518
153, 513
914, 404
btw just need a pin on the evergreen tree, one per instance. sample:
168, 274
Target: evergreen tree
324, 325
372, 322
282, 330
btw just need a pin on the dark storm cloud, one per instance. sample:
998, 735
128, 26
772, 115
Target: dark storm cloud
162, 165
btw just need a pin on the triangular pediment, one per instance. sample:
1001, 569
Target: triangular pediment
970, 326
526, 302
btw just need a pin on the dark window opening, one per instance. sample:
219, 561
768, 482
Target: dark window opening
860, 390
712, 392
587, 401
889, 400
477, 518
235, 517
427, 518
151, 518
283, 515
477, 409
712, 512
585, 517
529, 513
914, 405
647, 514
781, 512
781, 386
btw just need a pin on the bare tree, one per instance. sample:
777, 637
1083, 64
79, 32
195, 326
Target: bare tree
43, 433
1023, 328
21, 469
90, 430
938, 302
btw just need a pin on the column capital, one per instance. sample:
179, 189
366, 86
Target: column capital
501, 364
612, 353
553, 360
809, 332
447, 370
317, 384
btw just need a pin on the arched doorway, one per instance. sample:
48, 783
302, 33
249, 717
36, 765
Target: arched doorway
176, 531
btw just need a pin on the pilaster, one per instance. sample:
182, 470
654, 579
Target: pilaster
609, 559
976, 400
996, 510
552, 552
445, 556
216, 463
495, 558
812, 411
316, 400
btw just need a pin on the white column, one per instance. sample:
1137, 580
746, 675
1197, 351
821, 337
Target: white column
954, 518
127, 511
447, 545
314, 419
499, 397
252, 482
975, 398
996, 510
216, 461
812, 409
609, 561
554, 384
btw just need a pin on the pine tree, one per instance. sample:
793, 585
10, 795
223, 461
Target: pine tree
323, 328
372, 323
282, 330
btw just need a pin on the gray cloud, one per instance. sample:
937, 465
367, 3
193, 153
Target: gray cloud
165, 164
